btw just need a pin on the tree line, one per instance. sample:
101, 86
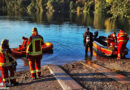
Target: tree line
114, 8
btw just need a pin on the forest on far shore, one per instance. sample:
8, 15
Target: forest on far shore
112, 8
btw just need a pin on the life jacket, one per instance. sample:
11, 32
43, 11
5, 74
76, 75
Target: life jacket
112, 37
122, 36
6, 59
25, 43
34, 45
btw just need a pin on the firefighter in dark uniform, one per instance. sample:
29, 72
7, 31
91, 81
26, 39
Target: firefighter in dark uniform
88, 41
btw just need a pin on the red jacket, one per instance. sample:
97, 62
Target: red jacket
24, 44
122, 36
6, 59
113, 38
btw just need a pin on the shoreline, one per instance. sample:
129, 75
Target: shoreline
88, 78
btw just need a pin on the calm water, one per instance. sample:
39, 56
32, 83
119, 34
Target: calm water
64, 31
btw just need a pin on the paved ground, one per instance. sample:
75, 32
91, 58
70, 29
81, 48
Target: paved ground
88, 78
91, 79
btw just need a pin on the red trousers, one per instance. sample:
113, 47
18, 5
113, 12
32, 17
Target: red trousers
121, 47
35, 65
6, 76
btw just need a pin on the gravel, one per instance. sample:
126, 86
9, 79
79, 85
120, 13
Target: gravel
90, 79
46, 82
87, 77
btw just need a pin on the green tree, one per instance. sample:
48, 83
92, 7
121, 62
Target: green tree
100, 6
119, 8
71, 6
49, 6
86, 7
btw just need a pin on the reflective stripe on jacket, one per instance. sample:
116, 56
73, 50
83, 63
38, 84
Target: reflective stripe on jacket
5, 59
122, 34
34, 45
122, 40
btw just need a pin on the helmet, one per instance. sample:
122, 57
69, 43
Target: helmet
34, 29
4, 43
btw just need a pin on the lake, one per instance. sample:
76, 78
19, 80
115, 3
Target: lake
65, 31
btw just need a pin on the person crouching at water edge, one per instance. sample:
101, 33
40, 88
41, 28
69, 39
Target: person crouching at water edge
7, 63
34, 53
88, 41
24, 44
112, 41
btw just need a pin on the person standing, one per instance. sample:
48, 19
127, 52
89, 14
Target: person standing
122, 38
112, 40
34, 53
7, 63
88, 41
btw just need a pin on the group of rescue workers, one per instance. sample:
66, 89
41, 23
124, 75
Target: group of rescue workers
112, 43
32, 45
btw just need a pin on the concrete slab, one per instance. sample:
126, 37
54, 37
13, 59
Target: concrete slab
66, 82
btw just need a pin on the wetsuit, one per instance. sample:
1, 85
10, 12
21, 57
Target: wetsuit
88, 41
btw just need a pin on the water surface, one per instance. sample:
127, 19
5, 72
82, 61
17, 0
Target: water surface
64, 31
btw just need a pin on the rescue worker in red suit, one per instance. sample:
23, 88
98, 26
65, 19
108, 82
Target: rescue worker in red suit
88, 41
112, 40
7, 61
24, 44
34, 53
122, 38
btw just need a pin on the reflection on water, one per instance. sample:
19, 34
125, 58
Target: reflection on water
87, 57
110, 25
22, 64
99, 21
65, 31
49, 16
96, 56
